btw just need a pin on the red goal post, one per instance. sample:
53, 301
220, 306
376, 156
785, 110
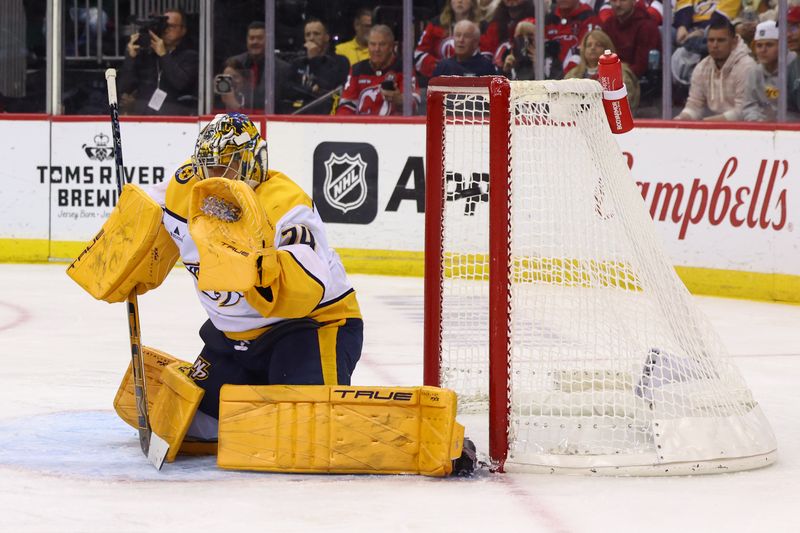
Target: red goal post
497, 91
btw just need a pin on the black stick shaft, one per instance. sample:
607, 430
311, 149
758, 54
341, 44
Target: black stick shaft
137, 362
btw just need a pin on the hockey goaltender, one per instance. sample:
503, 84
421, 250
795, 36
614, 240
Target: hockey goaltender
270, 389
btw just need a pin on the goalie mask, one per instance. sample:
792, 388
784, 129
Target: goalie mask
231, 147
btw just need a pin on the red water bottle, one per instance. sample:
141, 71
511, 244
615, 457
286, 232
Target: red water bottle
615, 95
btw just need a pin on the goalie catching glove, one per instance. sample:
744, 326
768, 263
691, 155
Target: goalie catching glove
234, 237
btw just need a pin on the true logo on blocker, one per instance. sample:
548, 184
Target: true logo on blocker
346, 182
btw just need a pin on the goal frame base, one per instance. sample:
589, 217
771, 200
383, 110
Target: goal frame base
650, 470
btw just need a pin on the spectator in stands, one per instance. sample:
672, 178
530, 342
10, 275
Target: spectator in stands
253, 61
693, 16
375, 85
503, 24
320, 70
468, 60
235, 90
519, 55
592, 47
159, 74
654, 8
355, 49
633, 32
436, 41
567, 25
793, 69
716, 91
745, 25
488, 7
761, 89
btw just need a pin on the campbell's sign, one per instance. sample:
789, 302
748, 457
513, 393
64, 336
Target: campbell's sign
736, 198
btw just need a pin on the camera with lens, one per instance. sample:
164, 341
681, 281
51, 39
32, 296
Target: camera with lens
223, 84
389, 84
520, 47
157, 25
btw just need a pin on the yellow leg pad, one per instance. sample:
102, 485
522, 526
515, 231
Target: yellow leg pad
175, 406
125, 401
338, 429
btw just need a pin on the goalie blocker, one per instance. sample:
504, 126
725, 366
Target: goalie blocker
308, 428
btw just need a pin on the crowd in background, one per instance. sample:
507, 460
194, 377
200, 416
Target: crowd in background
724, 61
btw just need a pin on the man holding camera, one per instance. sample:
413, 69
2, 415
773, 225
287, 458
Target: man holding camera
159, 74
468, 60
375, 85
517, 58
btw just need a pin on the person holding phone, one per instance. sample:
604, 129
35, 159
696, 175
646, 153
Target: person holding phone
375, 85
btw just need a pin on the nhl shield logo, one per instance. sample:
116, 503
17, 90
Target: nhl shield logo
345, 182
345, 186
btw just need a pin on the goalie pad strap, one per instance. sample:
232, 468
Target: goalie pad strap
131, 251
338, 429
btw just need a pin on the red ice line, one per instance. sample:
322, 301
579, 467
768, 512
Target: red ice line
547, 519
22, 316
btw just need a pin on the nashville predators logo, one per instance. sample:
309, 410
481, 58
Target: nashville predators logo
184, 174
199, 370
345, 186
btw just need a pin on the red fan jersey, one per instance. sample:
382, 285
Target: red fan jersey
568, 29
362, 91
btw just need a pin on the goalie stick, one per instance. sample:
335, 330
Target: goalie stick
153, 446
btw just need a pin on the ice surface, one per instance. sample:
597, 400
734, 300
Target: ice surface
67, 463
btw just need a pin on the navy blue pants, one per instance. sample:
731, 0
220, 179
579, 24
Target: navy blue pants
296, 352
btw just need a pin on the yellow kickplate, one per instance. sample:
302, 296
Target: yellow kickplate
155, 361
175, 406
339, 429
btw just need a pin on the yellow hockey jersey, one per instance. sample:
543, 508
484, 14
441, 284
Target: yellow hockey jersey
313, 282
691, 13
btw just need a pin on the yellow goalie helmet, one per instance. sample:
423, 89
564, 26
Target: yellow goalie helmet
231, 147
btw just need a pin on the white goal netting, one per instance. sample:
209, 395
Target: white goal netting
610, 362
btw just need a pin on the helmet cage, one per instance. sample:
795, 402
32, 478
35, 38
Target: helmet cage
235, 164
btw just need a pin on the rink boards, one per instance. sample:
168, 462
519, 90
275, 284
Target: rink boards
724, 200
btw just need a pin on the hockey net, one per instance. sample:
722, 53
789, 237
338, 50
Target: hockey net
550, 303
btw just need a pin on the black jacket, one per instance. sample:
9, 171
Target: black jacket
178, 78
477, 65
255, 100
328, 71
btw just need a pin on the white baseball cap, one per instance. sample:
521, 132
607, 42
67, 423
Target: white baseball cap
766, 30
